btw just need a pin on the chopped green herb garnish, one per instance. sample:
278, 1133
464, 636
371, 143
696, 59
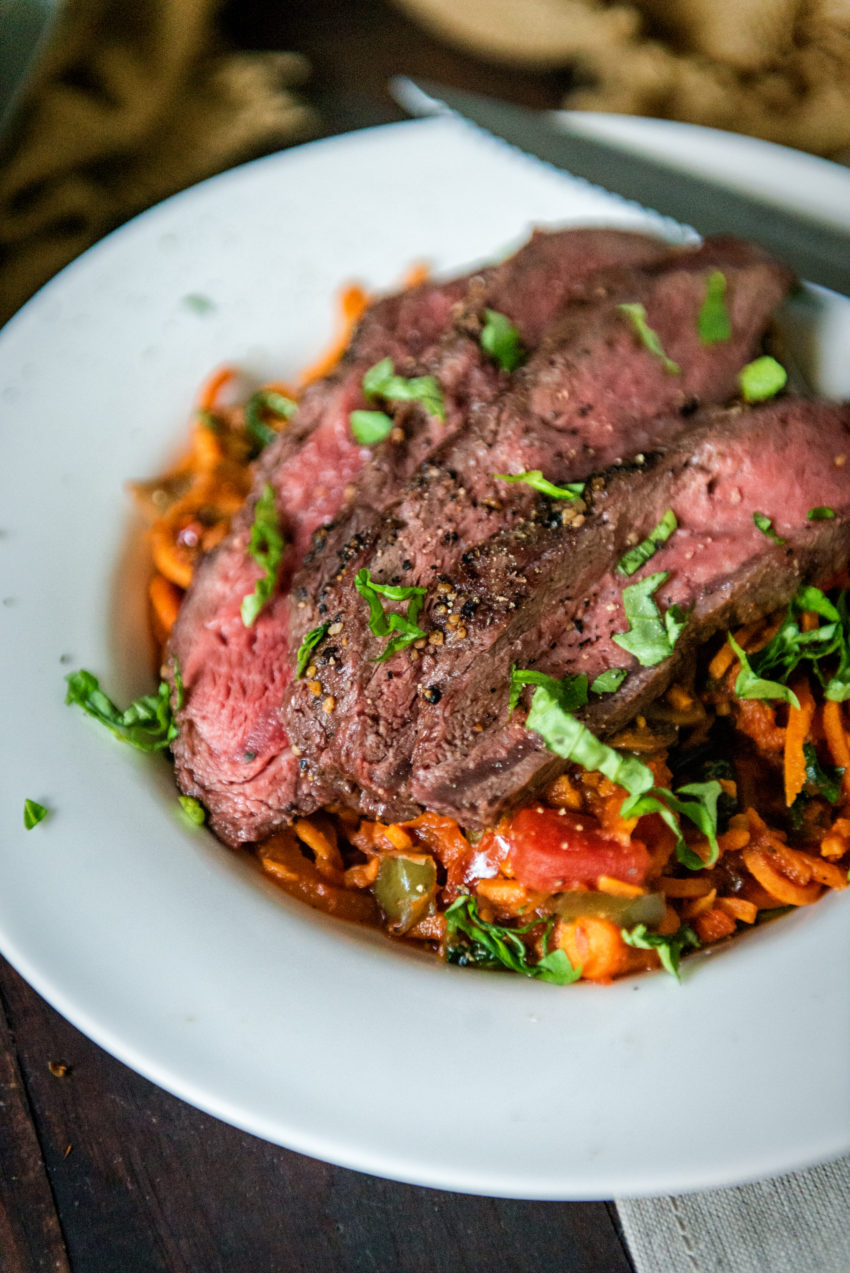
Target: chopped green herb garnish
473, 942
382, 624
650, 636
648, 337
266, 401
821, 514
199, 304
564, 734
535, 479
380, 381
571, 692
500, 339
147, 724
370, 427
749, 685
765, 525
822, 780
701, 810
669, 947
33, 814
641, 553
193, 809
266, 546
713, 323
762, 379
608, 682
766, 673
569, 738
307, 646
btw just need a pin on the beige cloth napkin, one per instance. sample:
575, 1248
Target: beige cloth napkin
134, 100
793, 1224
777, 69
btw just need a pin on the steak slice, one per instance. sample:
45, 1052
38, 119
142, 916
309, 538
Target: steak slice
531, 289
590, 396
550, 598
232, 751
230, 733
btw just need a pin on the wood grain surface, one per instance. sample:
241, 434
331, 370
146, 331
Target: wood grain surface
102, 1172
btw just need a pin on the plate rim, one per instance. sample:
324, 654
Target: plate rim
355, 1158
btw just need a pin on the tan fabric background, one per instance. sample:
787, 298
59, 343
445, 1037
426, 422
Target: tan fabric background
133, 101
778, 69
136, 98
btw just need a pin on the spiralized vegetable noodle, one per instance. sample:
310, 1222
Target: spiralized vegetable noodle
629, 902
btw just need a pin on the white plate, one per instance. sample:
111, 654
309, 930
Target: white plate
166, 948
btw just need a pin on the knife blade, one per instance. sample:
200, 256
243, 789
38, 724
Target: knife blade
817, 251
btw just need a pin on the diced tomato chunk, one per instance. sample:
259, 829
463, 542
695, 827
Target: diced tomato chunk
553, 851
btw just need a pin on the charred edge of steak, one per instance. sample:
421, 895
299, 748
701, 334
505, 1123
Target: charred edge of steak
717, 563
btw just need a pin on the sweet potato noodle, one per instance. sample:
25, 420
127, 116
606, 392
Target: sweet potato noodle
584, 879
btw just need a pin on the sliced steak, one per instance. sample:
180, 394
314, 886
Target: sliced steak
590, 396
232, 751
531, 289
551, 599
230, 729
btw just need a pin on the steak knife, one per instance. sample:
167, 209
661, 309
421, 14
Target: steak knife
816, 250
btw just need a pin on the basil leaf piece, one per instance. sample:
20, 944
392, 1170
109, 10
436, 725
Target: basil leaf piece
669, 946
380, 381
266, 545
814, 599
474, 942
641, 553
762, 379
33, 814
822, 780
765, 525
569, 738
193, 809
702, 811
837, 688
394, 592
608, 682
822, 514
749, 685
571, 691
535, 479
648, 336
500, 339
382, 624
198, 303
307, 646
406, 626
266, 400
789, 646
713, 323
649, 637
148, 724
370, 427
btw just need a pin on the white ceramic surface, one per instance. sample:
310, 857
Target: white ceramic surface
169, 950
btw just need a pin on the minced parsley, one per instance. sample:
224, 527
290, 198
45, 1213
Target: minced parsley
266, 546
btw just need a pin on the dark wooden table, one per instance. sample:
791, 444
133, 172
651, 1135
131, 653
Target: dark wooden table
100, 1171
